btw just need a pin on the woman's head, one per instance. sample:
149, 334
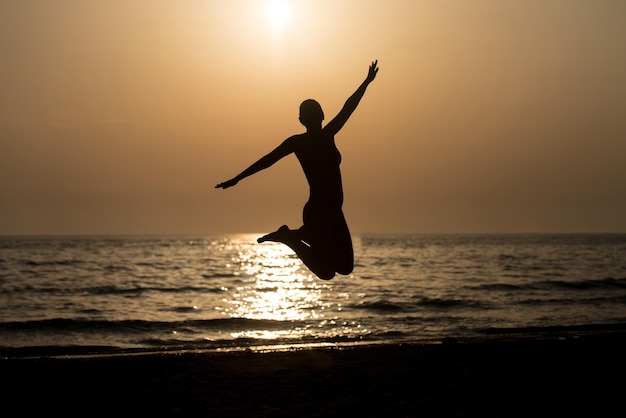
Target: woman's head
311, 113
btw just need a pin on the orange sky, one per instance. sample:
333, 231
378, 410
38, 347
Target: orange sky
120, 116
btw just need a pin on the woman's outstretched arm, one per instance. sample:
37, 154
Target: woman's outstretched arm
279, 152
353, 101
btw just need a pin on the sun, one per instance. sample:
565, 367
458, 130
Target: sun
278, 13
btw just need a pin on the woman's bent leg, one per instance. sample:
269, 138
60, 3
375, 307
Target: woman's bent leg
330, 240
344, 253
323, 243
311, 254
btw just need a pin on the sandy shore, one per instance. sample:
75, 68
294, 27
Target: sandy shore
519, 377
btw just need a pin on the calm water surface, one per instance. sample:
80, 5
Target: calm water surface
229, 292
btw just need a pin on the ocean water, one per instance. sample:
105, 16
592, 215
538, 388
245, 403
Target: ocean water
59, 294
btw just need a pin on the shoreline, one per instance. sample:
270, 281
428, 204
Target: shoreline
552, 375
479, 336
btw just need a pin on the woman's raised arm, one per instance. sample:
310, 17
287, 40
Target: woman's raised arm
349, 107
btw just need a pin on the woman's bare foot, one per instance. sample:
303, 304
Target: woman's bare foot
281, 235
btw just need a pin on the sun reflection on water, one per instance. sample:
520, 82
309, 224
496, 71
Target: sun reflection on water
275, 286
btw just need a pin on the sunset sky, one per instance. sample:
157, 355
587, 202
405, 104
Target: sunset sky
120, 116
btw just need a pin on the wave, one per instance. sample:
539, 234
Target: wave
604, 283
98, 326
607, 282
618, 300
380, 305
85, 337
383, 305
245, 341
159, 345
108, 290
555, 329
444, 303
63, 263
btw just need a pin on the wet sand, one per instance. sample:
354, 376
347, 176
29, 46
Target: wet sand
500, 377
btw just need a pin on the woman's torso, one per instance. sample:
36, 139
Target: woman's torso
320, 160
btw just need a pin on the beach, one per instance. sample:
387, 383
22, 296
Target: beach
426, 326
548, 375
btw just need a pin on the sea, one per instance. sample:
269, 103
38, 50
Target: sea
74, 295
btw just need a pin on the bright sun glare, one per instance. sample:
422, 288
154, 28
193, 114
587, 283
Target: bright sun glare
278, 13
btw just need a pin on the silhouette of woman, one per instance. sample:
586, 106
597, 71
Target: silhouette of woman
323, 242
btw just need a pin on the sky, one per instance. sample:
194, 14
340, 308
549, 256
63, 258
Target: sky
120, 116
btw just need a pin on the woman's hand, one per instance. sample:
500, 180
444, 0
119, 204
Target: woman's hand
371, 75
227, 184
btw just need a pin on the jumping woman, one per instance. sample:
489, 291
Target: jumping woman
323, 242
